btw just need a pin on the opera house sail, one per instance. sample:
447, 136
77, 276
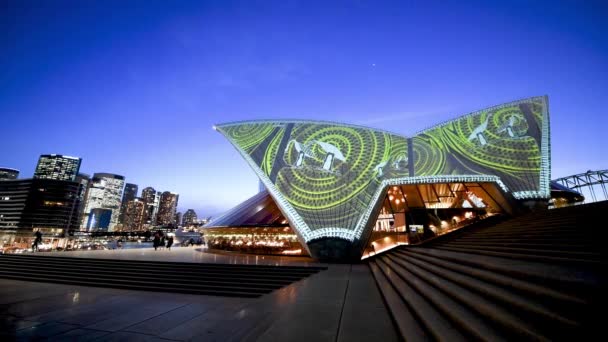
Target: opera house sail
330, 180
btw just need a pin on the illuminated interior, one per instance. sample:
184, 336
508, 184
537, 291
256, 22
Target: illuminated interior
255, 240
416, 212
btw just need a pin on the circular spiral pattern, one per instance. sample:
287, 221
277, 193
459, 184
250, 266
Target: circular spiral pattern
429, 155
516, 159
310, 186
249, 136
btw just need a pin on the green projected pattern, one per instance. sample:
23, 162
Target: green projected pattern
503, 141
326, 176
328, 173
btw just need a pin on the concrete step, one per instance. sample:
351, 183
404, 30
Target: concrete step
545, 295
524, 307
574, 245
288, 275
52, 257
580, 279
540, 239
532, 233
548, 256
483, 319
194, 278
530, 245
558, 223
541, 276
408, 325
131, 286
146, 276
434, 323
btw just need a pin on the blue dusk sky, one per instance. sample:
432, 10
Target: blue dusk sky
134, 87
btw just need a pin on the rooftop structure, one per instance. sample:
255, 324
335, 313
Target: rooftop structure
330, 180
8, 173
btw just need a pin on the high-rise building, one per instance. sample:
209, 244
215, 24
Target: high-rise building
189, 218
150, 198
167, 208
105, 192
58, 167
83, 181
129, 194
47, 205
178, 218
134, 215
8, 173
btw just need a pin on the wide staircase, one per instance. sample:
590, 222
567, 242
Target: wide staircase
540, 276
191, 278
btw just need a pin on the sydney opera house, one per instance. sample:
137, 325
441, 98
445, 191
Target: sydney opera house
338, 191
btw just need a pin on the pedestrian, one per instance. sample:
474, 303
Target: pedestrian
169, 242
191, 241
156, 242
162, 241
37, 240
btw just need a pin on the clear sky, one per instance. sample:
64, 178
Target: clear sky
134, 87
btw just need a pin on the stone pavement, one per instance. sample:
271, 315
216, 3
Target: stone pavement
339, 304
188, 254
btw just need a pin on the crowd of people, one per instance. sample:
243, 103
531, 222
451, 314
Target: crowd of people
160, 241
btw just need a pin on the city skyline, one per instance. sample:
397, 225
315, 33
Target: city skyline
167, 76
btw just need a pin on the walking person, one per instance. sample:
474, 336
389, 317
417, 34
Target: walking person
37, 240
156, 242
169, 242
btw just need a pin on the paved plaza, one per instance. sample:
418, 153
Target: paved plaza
341, 303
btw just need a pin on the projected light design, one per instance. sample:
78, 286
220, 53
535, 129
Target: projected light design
327, 177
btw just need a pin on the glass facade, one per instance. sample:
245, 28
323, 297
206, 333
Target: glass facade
58, 167
134, 215
28, 205
151, 199
129, 194
167, 208
105, 192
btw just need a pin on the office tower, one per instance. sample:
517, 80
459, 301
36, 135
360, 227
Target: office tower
178, 218
105, 192
167, 208
129, 194
45, 204
58, 167
150, 198
156, 205
83, 181
8, 173
134, 215
189, 218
